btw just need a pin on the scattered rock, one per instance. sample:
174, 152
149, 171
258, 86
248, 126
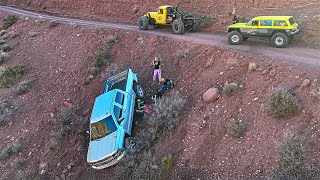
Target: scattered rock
63, 176
53, 24
135, 10
51, 115
305, 83
297, 77
43, 167
315, 83
272, 73
34, 34
211, 95
67, 104
2, 41
221, 73
2, 32
264, 72
64, 171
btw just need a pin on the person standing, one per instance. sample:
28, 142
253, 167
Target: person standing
157, 71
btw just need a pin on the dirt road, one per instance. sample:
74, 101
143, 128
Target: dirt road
297, 55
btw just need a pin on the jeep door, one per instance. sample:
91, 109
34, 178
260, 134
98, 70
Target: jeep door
265, 28
251, 28
161, 16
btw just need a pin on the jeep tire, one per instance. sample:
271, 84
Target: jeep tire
280, 40
178, 26
139, 91
234, 37
143, 23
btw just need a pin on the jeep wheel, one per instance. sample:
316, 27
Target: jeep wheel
234, 37
143, 23
139, 91
280, 40
178, 26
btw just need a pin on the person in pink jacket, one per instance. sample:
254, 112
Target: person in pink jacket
157, 70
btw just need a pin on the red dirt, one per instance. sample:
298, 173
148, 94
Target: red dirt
60, 58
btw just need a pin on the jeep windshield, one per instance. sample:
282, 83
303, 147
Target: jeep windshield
102, 128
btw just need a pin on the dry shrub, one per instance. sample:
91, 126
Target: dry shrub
10, 149
230, 88
11, 75
299, 173
6, 48
237, 129
9, 21
182, 53
252, 67
290, 153
24, 87
3, 58
103, 57
283, 103
5, 111
65, 118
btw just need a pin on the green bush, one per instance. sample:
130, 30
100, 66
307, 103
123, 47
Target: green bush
290, 153
9, 21
11, 75
237, 129
230, 88
103, 57
167, 162
5, 111
11, 148
283, 103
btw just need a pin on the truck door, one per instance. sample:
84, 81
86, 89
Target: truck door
123, 110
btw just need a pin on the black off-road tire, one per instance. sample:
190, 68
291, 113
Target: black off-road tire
235, 38
139, 91
143, 23
195, 27
280, 40
178, 26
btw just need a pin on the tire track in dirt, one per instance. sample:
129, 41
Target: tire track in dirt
296, 55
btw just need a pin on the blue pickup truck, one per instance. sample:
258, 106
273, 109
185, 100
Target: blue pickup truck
111, 119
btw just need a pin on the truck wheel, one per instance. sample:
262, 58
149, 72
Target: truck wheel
178, 26
234, 37
280, 40
143, 23
195, 28
139, 91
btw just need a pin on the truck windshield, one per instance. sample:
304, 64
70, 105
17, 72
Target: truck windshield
102, 128
291, 20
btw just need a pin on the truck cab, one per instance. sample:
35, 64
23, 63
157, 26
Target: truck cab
111, 119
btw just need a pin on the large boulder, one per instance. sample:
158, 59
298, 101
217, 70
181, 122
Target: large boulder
211, 95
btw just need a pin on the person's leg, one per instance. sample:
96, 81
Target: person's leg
159, 75
154, 74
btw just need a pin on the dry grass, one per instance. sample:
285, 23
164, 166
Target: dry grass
230, 88
283, 103
237, 129
252, 67
9, 21
11, 75
5, 111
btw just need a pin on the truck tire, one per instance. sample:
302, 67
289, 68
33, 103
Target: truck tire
143, 23
280, 40
139, 91
178, 26
195, 27
234, 38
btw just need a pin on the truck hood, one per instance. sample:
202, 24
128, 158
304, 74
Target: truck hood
102, 148
237, 25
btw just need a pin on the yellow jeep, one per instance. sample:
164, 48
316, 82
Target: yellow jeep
279, 28
169, 15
